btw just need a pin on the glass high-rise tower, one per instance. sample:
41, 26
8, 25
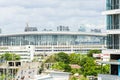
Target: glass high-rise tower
113, 40
113, 24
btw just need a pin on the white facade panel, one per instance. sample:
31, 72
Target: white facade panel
111, 12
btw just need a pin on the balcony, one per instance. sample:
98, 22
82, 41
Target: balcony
114, 62
108, 77
111, 12
111, 51
113, 31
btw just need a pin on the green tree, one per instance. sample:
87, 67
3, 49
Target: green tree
67, 68
88, 66
83, 78
83, 61
73, 71
74, 58
10, 56
16, 57
58, 66
105, 69
62, 66
62, 57
2, 77
51, 59
91, 52
41, 68
73, 78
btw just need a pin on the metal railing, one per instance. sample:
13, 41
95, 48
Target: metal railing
108, 77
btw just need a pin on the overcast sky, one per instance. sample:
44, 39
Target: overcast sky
14, 14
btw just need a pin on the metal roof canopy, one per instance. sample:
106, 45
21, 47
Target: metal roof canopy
54, 33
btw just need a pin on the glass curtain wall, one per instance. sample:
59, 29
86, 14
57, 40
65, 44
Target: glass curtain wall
113, 21
113, 4
51, 40
113, 41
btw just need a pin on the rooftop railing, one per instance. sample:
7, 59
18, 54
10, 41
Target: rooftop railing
108, 77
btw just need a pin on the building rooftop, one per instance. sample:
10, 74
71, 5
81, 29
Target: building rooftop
27, 29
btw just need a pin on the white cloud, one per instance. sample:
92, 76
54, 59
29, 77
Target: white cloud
49, 13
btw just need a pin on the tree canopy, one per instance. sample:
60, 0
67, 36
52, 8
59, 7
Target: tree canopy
91, 52
62, 57
74, 58
62, 66
51, 59
88, 66
10, 56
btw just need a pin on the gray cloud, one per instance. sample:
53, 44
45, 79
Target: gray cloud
50, 13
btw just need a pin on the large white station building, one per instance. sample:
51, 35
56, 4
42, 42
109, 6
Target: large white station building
36, 45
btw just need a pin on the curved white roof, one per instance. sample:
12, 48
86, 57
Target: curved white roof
54, 33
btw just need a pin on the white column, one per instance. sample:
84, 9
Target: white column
57, 43
29, 42
38, 42
71, 48
119, 41
52, 48
20, 43
32, 51
11, 43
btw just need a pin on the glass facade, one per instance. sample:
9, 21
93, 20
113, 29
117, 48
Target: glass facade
113, 21
112, 4
113, 41
50, 39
